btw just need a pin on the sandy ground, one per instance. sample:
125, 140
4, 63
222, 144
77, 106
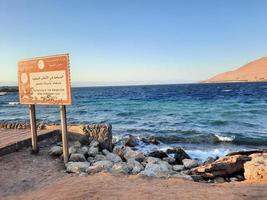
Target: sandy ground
27, 176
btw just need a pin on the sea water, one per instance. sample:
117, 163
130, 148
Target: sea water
205, 119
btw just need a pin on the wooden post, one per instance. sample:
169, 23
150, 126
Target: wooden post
33, 128
64, 133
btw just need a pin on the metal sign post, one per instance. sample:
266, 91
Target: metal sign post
33, 128
64, 133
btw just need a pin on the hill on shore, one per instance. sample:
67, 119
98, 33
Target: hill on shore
254, 71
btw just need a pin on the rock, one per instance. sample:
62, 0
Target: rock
152, 160
99, 157
118, 151
92, 160
170, 160
77, 144
178, 168
121, 168
77, 167
222, 167
219, 180
94, 143
103, 165
179, 154
197, 178
55, 151
256, 169
151, 140
73, 149
93, 151
77, 157
135, 165
84, 150
158, 154
162, 169
131, 141
240, 178
113, 157
101, 133
189, 164
137, 155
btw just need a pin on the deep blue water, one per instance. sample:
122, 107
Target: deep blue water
206, 119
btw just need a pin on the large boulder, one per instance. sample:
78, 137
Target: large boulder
101, 133
161, 169
135, 166
256, 169
189, 163
131, 141
77, 157
137, 155
93, 151
112, 156
179, 154
103, 165
77, 167
222, 167
150, 140
56, 151
158, 154
121, 168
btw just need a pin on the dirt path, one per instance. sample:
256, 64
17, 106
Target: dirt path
26, 176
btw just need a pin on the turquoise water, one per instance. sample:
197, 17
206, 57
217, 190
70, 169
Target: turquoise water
206, 119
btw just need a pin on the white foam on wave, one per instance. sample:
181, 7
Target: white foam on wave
227, 90
224, 138
13, 103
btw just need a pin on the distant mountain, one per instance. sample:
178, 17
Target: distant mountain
252, 72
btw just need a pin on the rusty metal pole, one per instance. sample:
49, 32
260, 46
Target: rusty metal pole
33, 128
64, 133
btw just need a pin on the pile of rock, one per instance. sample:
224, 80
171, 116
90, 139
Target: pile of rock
90, 159
175, 162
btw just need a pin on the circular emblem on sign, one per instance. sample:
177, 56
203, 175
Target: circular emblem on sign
24, 78
41, 64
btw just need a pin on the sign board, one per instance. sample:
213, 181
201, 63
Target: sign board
45, 80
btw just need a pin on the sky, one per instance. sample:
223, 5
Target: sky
113, 42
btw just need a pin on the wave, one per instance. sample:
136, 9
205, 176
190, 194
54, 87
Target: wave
224, 138
13, 103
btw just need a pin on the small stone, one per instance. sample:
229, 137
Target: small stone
73, 149
100, 157
119, 151
219, 180
131, 141
162, 169
77, 157
84, 150
121, 167
93, 151
158, 154
152, 160
113, 157
197, 178
135, 165
77, 144
103, 165
240, 178
179, 154
55, 151
170, 160
77, 167
189, 163
94, 143
137, 155
178, 168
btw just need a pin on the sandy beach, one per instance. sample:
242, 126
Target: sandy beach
27, 176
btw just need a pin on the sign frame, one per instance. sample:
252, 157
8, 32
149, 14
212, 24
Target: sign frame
35, 84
